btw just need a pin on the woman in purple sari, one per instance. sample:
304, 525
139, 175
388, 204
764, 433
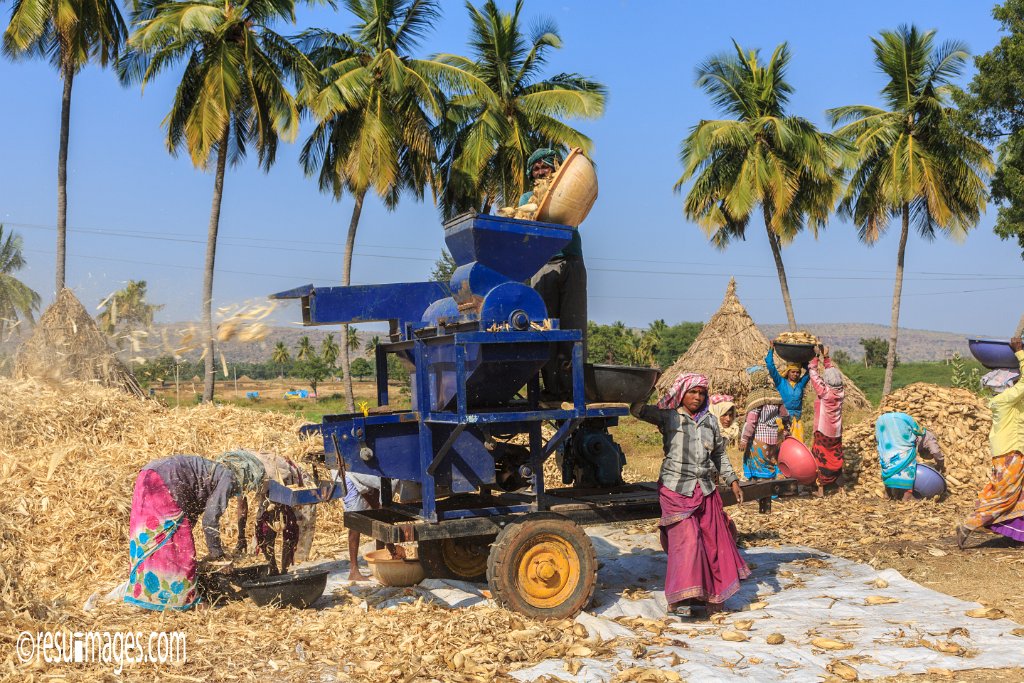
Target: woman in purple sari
704, 565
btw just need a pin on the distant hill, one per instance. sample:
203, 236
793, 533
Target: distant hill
914, 345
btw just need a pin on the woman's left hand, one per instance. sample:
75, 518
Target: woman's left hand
737, 491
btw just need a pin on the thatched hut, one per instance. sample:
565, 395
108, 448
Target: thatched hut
729, 344
66, 344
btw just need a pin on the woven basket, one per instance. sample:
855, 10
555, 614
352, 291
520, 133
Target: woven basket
572, 193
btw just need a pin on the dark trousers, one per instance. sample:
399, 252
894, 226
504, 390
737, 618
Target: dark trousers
562, 284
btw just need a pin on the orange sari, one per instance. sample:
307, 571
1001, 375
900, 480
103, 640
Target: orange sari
1001, 500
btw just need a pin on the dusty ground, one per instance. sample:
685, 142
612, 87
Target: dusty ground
990, 571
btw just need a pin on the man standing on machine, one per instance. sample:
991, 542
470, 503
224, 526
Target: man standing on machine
562, 284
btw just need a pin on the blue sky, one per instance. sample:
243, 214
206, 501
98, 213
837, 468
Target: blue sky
135, 212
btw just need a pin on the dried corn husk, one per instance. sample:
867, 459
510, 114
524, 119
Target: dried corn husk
798, 337
879, 600
830, 644
986, 613
842, 670
960, 420
68, 462
734, 636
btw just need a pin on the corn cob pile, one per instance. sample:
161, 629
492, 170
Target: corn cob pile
960, 420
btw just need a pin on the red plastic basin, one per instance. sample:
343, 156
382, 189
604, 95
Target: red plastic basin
796, 461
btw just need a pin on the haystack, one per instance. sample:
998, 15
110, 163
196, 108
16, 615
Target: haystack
66, 345
729, 344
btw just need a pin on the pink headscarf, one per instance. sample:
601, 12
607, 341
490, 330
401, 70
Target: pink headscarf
684, 382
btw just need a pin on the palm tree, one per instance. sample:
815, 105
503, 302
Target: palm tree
128, 308
70, 33
233, 93
509, 110
353, 339
912, 162
17, 301
371, 345
280, 356
373, 107
760, 157
329, 350
305, 349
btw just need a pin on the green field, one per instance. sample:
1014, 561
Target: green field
870, 379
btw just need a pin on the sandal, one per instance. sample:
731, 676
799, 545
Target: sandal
962, 533
682, 610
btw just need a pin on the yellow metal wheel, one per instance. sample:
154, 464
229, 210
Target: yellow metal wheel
543, 566
548, 571
464, 559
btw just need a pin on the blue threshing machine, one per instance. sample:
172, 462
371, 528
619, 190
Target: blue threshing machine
471, 445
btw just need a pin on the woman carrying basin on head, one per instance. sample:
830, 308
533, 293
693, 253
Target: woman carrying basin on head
1000, 505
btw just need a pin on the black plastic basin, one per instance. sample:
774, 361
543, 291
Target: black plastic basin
300, 588
618, 383
794, 353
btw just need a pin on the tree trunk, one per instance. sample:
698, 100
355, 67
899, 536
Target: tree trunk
211, 253
346, 279
62, 177
890, 359
773, 240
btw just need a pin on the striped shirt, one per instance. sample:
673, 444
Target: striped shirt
761, 424
694, 451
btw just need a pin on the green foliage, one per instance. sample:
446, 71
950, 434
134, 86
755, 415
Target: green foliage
876, 351
443, 268
69, 33
373, 102
964, 377
362, 368
870, 380
840, 357
127, 309
760, 157
17, 301
329, 351
991, 107
674, 340
616, 344
162, 370
397, 372
371, 345
607, 343
304, 349
912, 158
234, 87
506, 109
314, 369
281, 356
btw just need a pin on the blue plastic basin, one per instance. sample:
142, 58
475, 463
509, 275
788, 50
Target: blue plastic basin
994, 354
928, 483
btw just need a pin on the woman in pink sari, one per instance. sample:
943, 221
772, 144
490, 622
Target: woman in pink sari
704, 565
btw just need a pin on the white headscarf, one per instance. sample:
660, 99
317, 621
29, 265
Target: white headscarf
999, 380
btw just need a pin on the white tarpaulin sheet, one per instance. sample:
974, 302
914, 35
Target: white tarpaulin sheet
809, 594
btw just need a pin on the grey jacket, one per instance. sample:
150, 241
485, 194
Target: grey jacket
694, 451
